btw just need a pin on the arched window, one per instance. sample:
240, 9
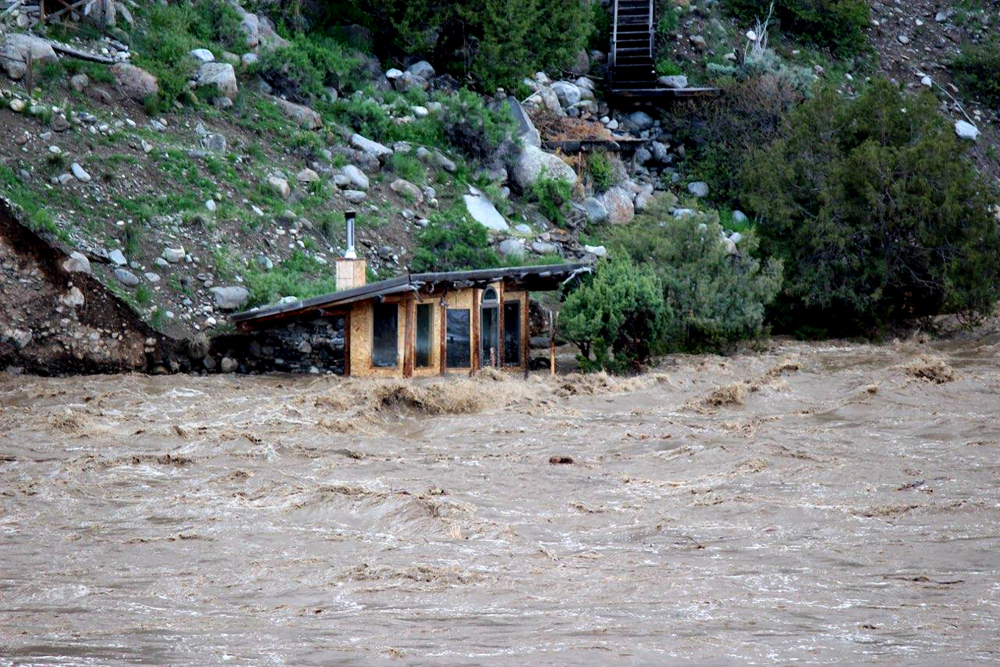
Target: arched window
490, 297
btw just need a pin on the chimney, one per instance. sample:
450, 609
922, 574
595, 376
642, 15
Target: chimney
351, 270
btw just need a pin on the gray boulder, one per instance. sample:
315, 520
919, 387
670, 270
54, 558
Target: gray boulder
422, 69
568, 93
698, 189
355, 196
220, 75
966, 131
117, 257
595, 209
484, 212
355, 177
640, 120
678, 81
126, 277
203, 55
408, 81
230, 298
544, 248
17, 49
79, 173
174, 255
135, 82
408, 190
370, 147
77, 262
512, 248
303, 115
532, 162
618, 202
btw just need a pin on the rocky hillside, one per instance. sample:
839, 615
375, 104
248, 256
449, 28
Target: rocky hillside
232, 194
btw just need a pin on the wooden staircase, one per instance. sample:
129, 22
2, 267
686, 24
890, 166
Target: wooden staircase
632, 64
631, 59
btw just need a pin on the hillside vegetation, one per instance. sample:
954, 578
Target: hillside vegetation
844, 181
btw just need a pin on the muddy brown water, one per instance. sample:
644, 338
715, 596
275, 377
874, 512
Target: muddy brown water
816, 503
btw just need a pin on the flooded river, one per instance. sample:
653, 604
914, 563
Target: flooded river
816, 503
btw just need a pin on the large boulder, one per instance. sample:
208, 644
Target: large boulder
422, 69
512, 248
408, 81
966, 130
526, 130
355, 177
595, 209
220, 75
543, 99
484, 212
18, 49
134, 82
408, 190
303, 115
230, 298
618, 202
568, 93
532, 162
639, 121
369, 147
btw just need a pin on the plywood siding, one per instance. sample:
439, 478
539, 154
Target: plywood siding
361, 342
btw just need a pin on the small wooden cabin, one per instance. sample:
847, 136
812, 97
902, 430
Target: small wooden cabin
426, 323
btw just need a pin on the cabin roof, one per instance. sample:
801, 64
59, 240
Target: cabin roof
532, 278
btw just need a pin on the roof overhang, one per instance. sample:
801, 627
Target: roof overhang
531, 278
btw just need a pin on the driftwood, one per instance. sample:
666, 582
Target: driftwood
81, 55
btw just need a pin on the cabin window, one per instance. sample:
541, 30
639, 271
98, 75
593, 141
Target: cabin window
385, 335
458, 338
512, 333
425, 311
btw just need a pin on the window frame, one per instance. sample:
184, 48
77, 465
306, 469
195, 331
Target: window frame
372, 357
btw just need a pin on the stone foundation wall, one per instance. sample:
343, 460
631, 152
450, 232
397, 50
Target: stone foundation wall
315, 346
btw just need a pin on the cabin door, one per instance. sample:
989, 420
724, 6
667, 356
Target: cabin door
490, 351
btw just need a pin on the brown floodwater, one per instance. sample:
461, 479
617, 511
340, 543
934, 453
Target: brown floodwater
817, 502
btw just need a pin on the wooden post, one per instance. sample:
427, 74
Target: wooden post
347, 345
408, 336
443, 334
552, 343
476, 363
525, 333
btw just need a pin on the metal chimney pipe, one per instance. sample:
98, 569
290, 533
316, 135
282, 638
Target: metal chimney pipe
350, 253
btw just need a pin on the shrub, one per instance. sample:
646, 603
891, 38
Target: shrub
365, 115
601, 172
726, 131
475, 129
876, 213
494, 41
620, 310
217, 21
299, 276
163, 49
453, 243
407, 166
837, 25
553, 197
715, 299
301, 70
976, 69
